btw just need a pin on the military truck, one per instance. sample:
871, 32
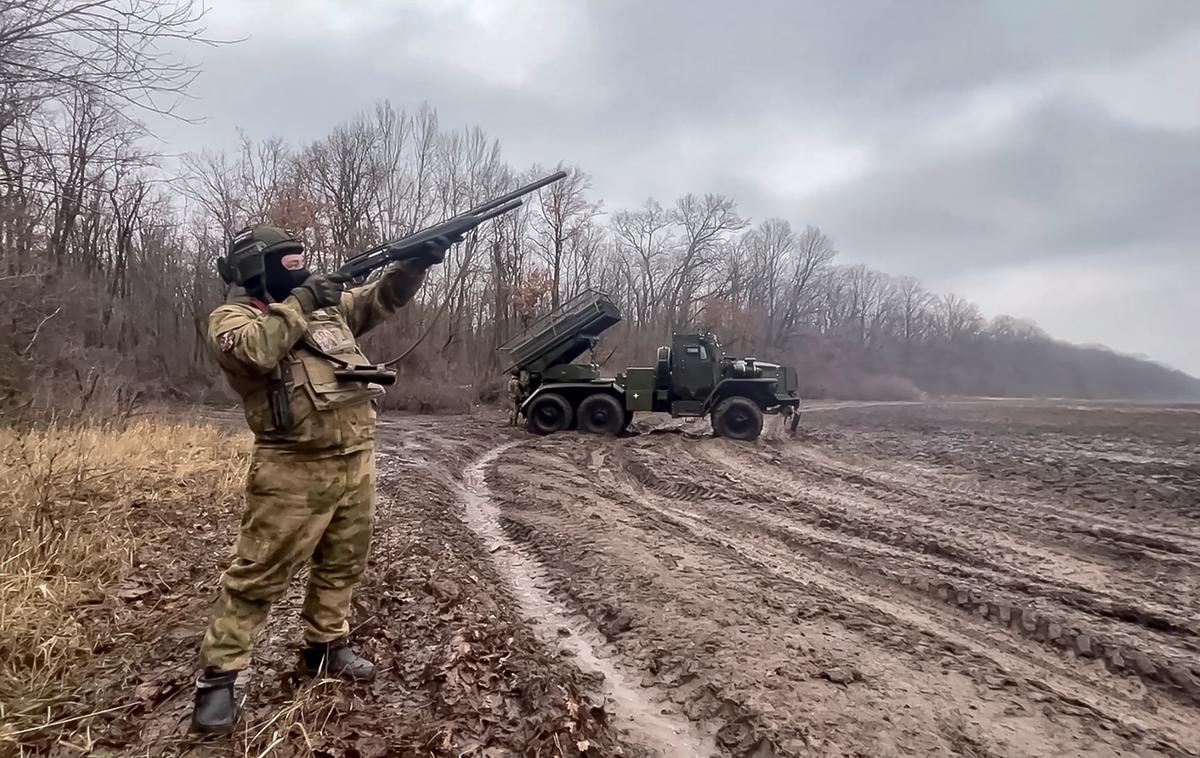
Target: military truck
689, 378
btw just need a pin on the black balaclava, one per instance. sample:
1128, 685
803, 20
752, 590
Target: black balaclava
279, 280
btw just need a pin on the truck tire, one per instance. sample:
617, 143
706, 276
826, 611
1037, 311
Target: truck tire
601, 413
548, 413
738, 418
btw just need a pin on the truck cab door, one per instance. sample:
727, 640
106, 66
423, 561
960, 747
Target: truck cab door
692, 373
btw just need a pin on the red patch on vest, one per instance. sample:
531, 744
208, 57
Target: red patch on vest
258, 304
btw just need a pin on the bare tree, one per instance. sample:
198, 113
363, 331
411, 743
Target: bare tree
425, 139
644, 240
705, 224
394, 130
562, 219
110, 47
213, 182
767, 249
958, 318
343, 171
264, 169
814, 254
914, 305
1015, 329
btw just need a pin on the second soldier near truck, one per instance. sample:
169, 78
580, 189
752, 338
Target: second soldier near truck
310, 491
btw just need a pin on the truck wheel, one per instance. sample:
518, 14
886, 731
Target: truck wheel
738, 418
548, 413
601, 414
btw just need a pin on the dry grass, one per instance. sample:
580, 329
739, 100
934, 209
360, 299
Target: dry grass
290, 729
83, 507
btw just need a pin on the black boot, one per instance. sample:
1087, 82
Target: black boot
337, 659
215, 708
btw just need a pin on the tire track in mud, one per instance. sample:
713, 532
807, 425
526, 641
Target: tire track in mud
699, 620
1166, 542
943, 593
1022, 600
728, 507
766, 543
1004, 513
634, 709
852, 590
1132, 469
731, 576
933, 528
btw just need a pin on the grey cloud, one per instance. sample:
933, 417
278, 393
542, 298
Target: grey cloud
846, 61
1068, 180
664, 64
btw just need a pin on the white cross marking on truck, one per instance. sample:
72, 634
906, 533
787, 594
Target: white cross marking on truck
636, 396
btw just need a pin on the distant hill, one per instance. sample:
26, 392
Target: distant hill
988, 366
1050, 368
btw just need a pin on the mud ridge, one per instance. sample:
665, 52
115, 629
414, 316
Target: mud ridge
1073, 637
557, 626
923, 541
1098, 702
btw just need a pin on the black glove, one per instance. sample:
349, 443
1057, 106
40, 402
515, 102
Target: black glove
435, 250
318, 291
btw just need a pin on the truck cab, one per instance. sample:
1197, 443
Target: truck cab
695, 366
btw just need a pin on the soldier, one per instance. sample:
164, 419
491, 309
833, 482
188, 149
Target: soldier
514, 396
310, 490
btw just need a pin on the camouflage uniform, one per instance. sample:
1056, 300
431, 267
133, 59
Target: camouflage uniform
514, 396
310, 492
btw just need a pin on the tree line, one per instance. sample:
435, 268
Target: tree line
107, 251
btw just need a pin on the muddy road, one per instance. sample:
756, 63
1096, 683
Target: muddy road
968, 579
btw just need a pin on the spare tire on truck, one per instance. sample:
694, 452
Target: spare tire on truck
548, 413
738, 418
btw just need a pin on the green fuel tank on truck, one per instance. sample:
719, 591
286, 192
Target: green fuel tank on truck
690, 377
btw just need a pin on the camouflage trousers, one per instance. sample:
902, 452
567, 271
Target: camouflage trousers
306, 511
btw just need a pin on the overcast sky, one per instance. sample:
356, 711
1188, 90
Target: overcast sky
1040, 157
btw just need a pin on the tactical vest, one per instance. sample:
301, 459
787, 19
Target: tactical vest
329, 416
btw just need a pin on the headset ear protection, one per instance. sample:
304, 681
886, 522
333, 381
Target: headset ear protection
226, 271
242, 263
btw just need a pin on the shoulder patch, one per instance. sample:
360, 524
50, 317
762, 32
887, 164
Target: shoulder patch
225, 341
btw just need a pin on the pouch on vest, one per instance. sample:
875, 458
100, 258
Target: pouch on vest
330, 334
